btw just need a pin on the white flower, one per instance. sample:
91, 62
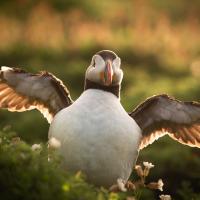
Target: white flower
35, 147
156, 185
148, 165
165, 197
54, 143
121, 185
139, 170
160, 185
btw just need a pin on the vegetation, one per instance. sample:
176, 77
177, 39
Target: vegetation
159, 44
34, 172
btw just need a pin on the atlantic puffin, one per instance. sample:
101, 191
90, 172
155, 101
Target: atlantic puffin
96, 134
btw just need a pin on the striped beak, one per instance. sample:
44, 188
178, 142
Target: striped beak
108, 73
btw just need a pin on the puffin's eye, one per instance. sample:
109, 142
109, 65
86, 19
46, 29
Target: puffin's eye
99, 62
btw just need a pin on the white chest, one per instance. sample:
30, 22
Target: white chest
98, 137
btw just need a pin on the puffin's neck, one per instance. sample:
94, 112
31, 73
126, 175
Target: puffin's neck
114, 89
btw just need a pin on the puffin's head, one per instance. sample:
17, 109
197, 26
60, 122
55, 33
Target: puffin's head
105, 69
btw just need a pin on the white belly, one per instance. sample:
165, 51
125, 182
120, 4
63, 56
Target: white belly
97, 137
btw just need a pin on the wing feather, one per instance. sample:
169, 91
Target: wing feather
21, 91
161, 115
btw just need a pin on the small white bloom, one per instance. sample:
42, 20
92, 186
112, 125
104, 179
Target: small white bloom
160, 185
121, 185
148, 165
147, 168
165, 197
35, 147
139, 170
54, 143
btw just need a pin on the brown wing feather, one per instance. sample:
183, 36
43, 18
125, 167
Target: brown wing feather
21, 91
161, 115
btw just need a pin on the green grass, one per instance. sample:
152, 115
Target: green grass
27, 174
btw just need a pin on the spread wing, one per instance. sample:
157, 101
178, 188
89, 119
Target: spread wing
21, 91
161, 115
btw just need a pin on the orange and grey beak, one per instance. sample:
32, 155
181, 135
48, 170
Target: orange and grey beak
108, 73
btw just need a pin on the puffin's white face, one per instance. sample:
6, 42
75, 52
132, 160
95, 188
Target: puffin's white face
105, 71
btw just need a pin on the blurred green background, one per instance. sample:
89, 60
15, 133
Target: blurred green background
158, 42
